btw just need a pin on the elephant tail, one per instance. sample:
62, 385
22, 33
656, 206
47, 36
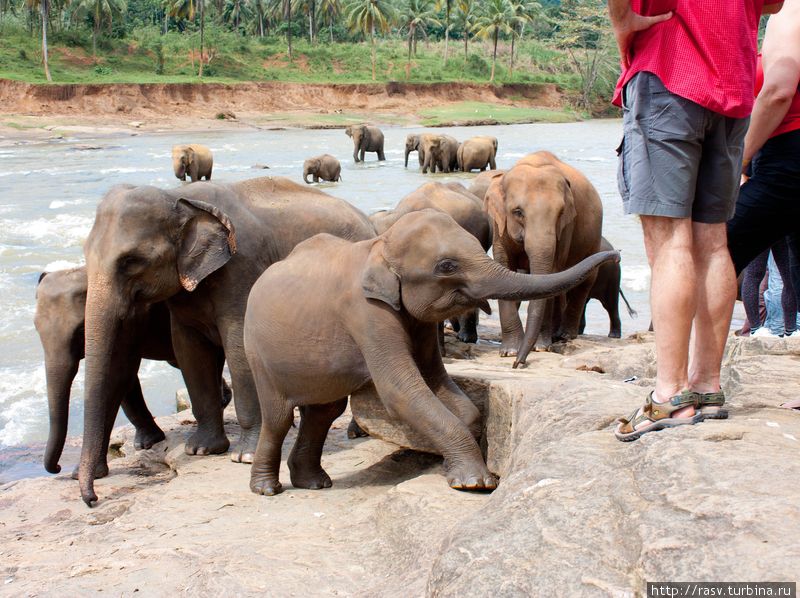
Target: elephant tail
631, 312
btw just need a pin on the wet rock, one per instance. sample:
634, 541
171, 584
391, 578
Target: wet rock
260, 167
182, 402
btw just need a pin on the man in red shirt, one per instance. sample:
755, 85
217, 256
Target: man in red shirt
686, 93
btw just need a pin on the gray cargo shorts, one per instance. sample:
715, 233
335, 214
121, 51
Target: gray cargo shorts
677, 158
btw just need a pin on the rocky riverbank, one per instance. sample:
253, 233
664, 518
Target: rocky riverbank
577, 512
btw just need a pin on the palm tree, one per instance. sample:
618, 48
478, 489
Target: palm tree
466, 19
100, 10
186, 9
447, 4
368, 15
417, 13
44, 9
310, 9
496, 17
524, 11
236, 11
330, 9
259, 9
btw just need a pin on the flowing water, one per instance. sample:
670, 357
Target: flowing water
49, 192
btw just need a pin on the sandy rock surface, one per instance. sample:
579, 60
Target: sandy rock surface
577, 512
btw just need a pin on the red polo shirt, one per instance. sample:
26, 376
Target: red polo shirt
705, 53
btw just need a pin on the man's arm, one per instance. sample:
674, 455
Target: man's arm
780, 57
771, 8
627, 23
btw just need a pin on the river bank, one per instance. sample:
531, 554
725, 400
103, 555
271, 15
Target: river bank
576, 512
34, 111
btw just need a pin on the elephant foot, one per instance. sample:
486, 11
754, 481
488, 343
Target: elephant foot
467, 336
100, 471
147, 437
615, 334
245, 449
206, 442
310, 477
509, 347
265, 485
355, 431
469, 476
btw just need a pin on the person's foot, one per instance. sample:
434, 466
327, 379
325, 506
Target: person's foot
654, 415
763, 333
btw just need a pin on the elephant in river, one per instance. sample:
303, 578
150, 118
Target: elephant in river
466, 209
607, 290
413, 145
325, 167
60, 320
477, 152
439, 152
354, 312
194, 160
547, 217
366, 138
199, 248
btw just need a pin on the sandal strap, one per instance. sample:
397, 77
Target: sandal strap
658, 411
712, 399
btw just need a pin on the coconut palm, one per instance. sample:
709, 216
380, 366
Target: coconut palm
495, 18
100, 11
259, 9
417, 14
368, 15
44, 9
329, 10
447, 4
524, 12
466, 15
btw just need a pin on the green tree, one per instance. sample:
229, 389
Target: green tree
417, 14
495, 18
100, 11
367, 16
524, 12
447, 4
186, 9
44, 9
330, 10
259, 9
466, 15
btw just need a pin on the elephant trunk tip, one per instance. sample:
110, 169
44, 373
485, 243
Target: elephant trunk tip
52, 467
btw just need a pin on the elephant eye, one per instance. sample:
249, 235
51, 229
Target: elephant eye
518, 213
130, 262
446, 267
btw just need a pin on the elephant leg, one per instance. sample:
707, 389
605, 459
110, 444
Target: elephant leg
510, 324
610, 303
248, 412
278, 418
545, 338
147, 431
440, 339
492, 163
582, 325
381, 155
198, 359
406, 395
305, 466
468, 327
354, 430
576, 303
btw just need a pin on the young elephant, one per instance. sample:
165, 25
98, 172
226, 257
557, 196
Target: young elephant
413, 145
60, 320
354, 312
194, 160
547, 217
477, 152
607, 290
439, 152
325, 167
366, 138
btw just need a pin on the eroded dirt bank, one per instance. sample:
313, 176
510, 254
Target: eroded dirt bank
577, 513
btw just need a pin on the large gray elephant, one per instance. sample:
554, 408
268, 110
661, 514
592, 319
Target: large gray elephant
607, 290
194, 160
199, 248
366, 138
547, 217
355, 312
60, 322
325, 167
477, 153
440, 152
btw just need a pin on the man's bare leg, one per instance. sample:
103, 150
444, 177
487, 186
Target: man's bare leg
716, 294
673, 301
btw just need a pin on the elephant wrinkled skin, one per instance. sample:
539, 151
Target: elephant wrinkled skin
369, 312
439, 152
547, 217
199, 248
193, 160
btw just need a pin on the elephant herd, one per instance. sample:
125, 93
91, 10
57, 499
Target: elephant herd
307, 300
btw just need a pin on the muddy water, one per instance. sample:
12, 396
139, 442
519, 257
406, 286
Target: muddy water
49, 192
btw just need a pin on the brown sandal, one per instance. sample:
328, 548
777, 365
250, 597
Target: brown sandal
659, 416
711, 405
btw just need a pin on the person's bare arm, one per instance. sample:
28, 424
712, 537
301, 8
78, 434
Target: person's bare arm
780, 56
771, 8
627, 23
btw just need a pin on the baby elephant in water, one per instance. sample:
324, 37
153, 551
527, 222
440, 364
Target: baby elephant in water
194, 160
325, 167
335, 314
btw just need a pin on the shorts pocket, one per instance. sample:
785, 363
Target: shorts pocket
622, 174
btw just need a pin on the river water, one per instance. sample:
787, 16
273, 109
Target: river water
49, 192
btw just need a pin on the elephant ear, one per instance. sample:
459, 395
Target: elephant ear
495, 203
569, 212
190, 156
378, 280
207, 241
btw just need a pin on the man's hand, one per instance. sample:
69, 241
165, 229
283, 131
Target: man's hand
627, 23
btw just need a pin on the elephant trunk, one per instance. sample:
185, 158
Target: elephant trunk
408, 151
305, 176
102, 330
506, 285
60, 375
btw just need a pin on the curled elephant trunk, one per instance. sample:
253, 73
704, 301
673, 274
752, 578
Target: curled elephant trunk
511, 286
59, 382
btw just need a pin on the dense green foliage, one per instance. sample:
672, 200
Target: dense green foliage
520, 41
